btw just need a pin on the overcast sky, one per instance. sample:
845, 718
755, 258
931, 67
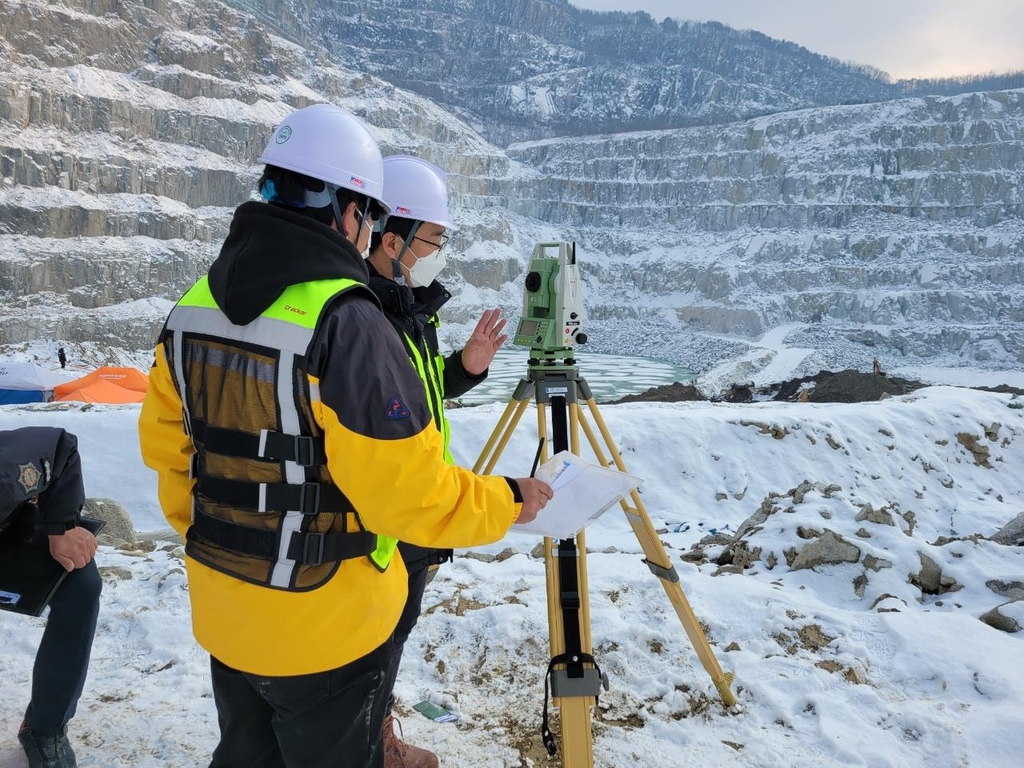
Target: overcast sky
906, 38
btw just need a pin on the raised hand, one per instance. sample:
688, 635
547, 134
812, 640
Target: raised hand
486, 339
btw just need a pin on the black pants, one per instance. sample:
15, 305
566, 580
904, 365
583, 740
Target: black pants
323, 720
406, 622
62, 660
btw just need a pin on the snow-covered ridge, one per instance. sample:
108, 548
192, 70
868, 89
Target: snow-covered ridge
881, 661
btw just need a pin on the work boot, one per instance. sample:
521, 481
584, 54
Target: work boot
398, 754
47, 750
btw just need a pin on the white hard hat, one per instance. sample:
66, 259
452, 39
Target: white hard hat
325, 142
415, 189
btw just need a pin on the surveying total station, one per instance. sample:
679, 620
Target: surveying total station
553, 303
551, 326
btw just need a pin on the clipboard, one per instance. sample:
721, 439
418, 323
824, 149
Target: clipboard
583, 492
29, 576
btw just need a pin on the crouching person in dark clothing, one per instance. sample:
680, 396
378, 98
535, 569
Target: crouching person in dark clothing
41, 484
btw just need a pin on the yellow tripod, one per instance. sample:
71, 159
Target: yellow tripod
575, 677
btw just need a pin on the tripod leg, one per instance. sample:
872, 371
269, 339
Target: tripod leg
565, 567
581, 540
658, 561
519, 407
567, 588
576, 738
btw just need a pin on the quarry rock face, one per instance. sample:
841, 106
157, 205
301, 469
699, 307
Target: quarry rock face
888, 229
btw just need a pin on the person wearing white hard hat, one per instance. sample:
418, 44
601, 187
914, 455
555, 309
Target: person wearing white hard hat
405, 258
291, 440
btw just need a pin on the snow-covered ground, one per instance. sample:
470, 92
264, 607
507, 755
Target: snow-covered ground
824, 677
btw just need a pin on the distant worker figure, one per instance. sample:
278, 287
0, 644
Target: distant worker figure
876, 367
405, 258
41, 484
63, 358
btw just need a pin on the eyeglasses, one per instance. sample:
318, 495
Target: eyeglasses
445, 237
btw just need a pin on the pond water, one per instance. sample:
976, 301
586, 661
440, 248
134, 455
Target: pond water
609, 376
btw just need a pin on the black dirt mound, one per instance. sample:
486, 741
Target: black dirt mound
666, 393
789, 390
847, 386
856, 387
1003, 389
843, 387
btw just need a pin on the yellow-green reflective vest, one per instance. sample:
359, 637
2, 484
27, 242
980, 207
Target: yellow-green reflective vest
264, 507
430, 368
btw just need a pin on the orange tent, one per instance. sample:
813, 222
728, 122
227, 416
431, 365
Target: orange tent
106, 385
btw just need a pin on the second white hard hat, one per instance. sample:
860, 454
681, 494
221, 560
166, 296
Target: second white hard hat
415, 189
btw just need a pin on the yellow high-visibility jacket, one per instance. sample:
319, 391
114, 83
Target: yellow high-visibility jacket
229, 363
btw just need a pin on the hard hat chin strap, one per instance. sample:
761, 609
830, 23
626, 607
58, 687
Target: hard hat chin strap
332, 191
406, 240
396, 263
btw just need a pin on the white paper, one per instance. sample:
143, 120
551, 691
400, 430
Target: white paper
583, 492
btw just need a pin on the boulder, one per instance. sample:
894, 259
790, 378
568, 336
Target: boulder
1011, 534
997, 618
1011, 589
161, 536
878, 516
930, 579
830, 549
119, 528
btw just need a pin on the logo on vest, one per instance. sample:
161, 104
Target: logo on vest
396, 410
296, 310
28, 477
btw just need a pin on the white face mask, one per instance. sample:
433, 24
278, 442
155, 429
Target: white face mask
368, 229
423, 272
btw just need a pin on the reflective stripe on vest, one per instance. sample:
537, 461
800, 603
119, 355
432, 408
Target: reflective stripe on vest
287, 326
438, 358
431, 372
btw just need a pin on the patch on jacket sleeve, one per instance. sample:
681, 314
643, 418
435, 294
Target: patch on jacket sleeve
396, 410
29, 477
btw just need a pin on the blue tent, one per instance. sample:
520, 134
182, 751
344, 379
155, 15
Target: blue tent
27, 383
15, 396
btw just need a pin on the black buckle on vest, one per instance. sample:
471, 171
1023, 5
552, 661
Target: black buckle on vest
313, 549
304, 450
309, 500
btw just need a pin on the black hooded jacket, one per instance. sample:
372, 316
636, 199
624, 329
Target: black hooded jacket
269, 248
413, 312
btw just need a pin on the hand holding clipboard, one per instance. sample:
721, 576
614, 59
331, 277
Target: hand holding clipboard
536, 493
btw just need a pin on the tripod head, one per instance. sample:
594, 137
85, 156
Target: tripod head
552, 319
